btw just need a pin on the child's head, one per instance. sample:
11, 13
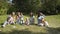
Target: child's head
40, 14
31, 13
13, 13
18, 13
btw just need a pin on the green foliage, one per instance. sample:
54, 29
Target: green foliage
3, 7
49, 6
27, 5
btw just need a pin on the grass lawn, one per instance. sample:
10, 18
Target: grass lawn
54, 22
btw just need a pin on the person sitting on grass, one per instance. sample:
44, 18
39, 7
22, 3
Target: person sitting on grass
14, 16
32, 20
10, 20
41, 20
19, 19
27, 21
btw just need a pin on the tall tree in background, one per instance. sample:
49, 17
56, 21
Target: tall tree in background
27, 5
49, 6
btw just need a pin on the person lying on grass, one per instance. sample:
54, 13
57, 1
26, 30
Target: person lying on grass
10, 19
41, 20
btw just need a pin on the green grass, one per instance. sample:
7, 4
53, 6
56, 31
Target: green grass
53, 20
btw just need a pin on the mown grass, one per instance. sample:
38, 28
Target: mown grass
53, 20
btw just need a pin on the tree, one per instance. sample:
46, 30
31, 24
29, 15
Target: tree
49, 6
3, 6
27, 5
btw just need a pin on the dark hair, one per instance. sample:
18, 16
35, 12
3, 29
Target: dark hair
31, 13
17, 13
40, 14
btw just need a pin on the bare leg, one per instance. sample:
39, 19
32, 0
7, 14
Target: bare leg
5, 23
46, 23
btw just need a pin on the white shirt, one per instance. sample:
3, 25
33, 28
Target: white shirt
41, 17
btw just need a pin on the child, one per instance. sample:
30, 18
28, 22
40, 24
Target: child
14, 16
19, 18
27, 21
45, 22
31, 18
41, 20
10, 20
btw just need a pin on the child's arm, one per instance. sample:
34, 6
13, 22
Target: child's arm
43, 21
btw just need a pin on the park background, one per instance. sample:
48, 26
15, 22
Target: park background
51, 8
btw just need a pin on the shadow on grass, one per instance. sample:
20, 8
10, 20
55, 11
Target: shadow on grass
58, 29
26, 31
53, 30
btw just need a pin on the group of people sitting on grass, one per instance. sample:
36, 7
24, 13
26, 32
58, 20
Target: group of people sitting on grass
18, 18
